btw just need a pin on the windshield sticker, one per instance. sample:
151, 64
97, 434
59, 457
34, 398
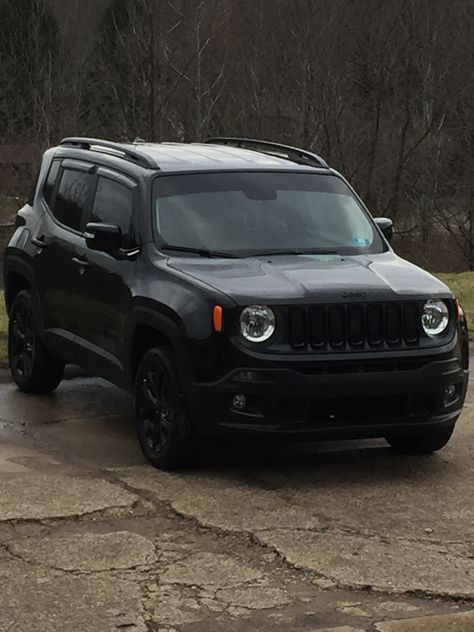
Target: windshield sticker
359, 241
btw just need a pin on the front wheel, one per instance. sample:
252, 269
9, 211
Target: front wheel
424, 443
34, 369
163, 428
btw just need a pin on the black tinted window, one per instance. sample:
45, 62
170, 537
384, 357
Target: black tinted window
73, 195
48, 187
113, 204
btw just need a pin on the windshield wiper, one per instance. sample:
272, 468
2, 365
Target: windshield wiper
302, 251
203, 252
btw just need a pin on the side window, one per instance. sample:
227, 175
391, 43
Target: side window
72, 198
48, 187
113, 204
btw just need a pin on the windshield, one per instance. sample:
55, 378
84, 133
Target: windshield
246, 214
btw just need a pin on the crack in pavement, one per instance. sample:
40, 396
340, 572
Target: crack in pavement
199, 604
260, 537
309, 570
117, 511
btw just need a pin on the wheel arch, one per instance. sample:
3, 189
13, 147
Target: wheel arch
149, 328
17, 278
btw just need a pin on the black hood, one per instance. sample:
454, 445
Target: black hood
308, 278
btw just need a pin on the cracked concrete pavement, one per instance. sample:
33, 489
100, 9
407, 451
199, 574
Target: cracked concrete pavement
330, 537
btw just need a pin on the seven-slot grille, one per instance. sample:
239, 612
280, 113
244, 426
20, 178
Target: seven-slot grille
354, 326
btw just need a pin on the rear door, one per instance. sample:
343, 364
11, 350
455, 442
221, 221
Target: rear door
106, 286
59, 260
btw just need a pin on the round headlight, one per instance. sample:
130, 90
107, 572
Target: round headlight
435, 317
257, 323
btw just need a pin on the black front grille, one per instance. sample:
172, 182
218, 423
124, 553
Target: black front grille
354, 326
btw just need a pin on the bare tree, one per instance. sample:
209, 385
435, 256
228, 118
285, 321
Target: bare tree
30, 71
384, 91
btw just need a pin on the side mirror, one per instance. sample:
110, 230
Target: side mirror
386, 226
103, 237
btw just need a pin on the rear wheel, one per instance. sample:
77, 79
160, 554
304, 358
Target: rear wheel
424, 443
34, 369
163, 428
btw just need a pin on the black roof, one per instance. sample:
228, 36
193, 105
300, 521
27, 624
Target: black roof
173, 157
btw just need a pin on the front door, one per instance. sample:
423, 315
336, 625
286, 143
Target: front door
105, 292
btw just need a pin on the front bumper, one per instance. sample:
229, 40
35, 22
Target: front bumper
337, 400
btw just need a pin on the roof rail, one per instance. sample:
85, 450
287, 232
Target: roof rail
301, 156
113, 149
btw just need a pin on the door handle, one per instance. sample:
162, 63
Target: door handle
82, 263
39, 242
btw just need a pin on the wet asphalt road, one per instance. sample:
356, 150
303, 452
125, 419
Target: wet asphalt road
305, 537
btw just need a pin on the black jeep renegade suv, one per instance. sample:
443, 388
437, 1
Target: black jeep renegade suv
232, 286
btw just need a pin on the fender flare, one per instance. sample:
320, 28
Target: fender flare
162, 324
20, 266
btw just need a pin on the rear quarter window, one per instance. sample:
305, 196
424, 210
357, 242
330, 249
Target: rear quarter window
48, 187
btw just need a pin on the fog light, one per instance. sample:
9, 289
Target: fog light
239, 402
449, 395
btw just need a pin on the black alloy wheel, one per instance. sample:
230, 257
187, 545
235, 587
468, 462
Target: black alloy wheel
22, 341
33, 367
163, 428
156, 410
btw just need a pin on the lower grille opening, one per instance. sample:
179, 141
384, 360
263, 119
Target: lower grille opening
374, 366
355, 411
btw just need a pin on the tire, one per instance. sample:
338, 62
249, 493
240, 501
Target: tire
426, 443
34, 369
163, 427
